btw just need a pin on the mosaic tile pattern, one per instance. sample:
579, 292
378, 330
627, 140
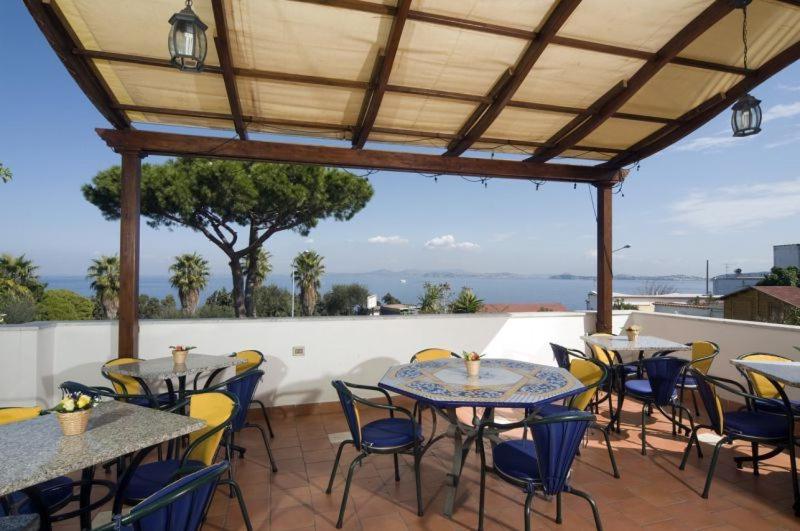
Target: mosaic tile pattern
501, 383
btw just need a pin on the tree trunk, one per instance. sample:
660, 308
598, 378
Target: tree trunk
238, 287
250, 281
192, 300
309, 297
111, 306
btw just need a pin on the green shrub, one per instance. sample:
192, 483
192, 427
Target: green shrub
155, 308
17, 308
207, 311
64, 305
272, 301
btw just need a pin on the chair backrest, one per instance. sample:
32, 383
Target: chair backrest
663, 373
557, 440
711, 402
122, 384
252, 360
180, 506
760, 385
9, 415
592, 374
350, 410
429, 354
243, 387
703, 354
561, 354
600, 354
217, 409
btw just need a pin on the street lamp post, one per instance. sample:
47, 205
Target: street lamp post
621, 248
291, 277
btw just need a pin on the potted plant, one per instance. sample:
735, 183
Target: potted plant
473, 362
73, 412
179, 353
633, 332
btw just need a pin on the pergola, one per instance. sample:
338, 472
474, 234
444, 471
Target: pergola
610, 81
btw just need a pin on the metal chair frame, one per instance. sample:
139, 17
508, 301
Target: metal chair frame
531, 487
415, 448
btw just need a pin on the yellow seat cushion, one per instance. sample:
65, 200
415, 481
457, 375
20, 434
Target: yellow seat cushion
430, 354
589, 374
215, 409
18, 414
252, 359
700, 350
761, 385
129, 385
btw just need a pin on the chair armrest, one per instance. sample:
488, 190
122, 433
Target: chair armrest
371, 388
386, 407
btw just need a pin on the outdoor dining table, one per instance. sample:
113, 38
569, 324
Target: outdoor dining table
628, 352
779, 372
35, 451
166, 369
444, 386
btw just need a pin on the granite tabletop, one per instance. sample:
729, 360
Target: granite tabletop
500, 383
21, 522
163, 368
623, 344
35, 450
786, 372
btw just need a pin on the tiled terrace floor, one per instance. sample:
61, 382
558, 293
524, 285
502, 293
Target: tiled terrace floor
652, 493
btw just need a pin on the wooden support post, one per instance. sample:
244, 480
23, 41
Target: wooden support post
604, 258
129, 254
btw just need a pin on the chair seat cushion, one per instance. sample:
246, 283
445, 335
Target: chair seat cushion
151, 477
756, 424
689, 382
389, 433
517, 459
770, 407
552, 409
639, 387
630, 369
55, 493
162, 400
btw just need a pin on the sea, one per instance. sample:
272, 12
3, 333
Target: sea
408, 286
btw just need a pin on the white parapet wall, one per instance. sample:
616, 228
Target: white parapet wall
35, 358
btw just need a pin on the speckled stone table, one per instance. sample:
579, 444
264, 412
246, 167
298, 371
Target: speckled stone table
628, 351
22, 522
444, 386
34, 451
166, 369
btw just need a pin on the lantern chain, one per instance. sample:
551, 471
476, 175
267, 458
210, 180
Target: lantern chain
744, 34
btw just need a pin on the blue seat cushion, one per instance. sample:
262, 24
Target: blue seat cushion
55, 493
639, 387
771, 407
517, 459
389, 433
162, 400
552, 409
756, 424
151, 477
630, 369
688, 382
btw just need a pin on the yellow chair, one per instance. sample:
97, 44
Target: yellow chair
762, 386
9, 415
703, 354
131, 388
592, 375
252, 360
430, 354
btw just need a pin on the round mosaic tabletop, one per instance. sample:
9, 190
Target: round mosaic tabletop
500, 383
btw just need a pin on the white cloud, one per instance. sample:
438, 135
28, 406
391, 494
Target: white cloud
782, 110
738, 207
790, 88
309, 240
590, 253
707, 143
502, 236
791, 139
392, 240
448, 241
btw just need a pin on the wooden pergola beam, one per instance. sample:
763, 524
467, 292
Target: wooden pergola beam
703, 113
503, 93
226, 64
171, 144
507, 31
361, 85
63, 44
384, 62
699, 25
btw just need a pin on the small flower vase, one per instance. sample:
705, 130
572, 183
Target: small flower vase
74, 423
179, 356
633, 335
473, 368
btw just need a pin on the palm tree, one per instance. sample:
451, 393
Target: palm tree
104, 274
189, 276
467, 302
22, 272
263, 266
308, 269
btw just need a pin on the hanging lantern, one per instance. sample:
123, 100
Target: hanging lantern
746, 119
187, 39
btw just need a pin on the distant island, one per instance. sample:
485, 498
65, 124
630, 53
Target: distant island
672, 278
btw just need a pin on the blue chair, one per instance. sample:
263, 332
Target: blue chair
542, 464
749, 424
181, 505
386, 436
659, 390
243, 387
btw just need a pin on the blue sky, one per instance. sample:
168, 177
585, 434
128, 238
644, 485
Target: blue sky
710, 196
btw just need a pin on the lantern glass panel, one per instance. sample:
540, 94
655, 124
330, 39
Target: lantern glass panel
746, 118
187, 40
